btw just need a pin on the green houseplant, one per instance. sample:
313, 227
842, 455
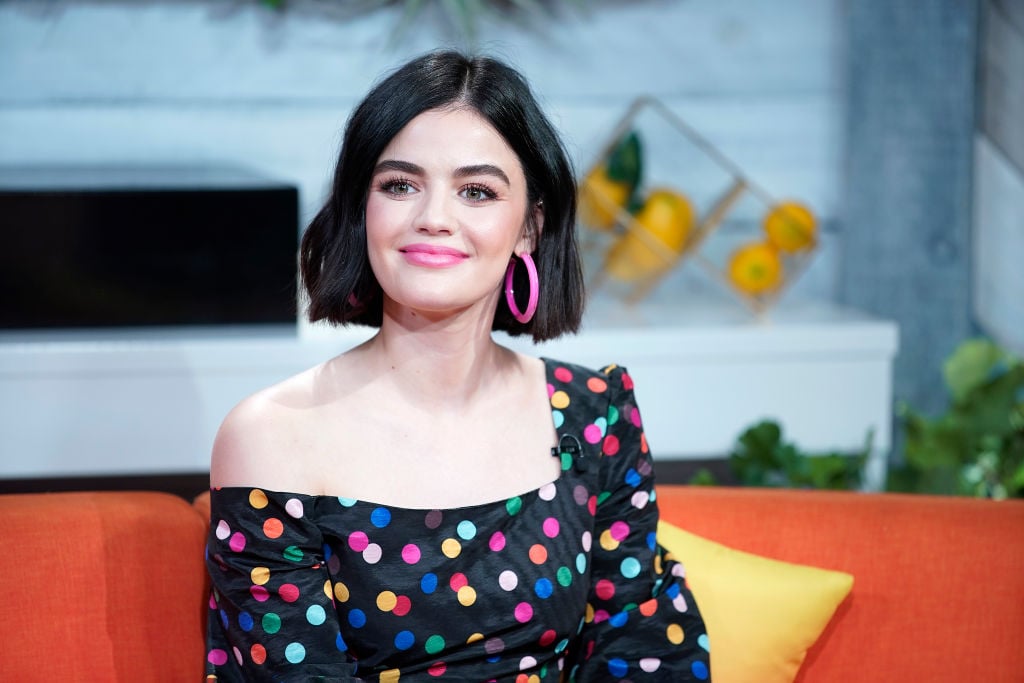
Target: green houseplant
976, 447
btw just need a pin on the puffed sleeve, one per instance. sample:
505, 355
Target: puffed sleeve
641, 622
272, 614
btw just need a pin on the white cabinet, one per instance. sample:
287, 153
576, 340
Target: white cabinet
149, 403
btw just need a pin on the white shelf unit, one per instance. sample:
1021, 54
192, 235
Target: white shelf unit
150, 402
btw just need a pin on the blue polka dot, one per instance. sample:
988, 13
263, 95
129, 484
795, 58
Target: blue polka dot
340, 643
245, 621
466, 530
542, 588
316, 615
295, 653
327, 552
558, 418
672, 591
618, 619
357, 618
404, 640
652, 540
617, 667
428, 584
633, 477
630, 567
562, 644
581, 563
224, 618
346, 502
380, 517
700, 670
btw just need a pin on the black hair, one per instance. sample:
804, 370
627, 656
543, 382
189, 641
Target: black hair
335, 268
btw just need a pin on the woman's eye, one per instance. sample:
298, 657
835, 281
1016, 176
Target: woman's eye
398, 187
478, 193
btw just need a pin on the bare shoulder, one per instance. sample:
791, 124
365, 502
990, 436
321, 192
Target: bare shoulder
259, 438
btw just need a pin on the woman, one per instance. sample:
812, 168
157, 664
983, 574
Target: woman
396, 513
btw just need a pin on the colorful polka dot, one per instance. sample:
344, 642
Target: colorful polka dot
294, 653
466, 530
316, 615
273, 528
559, 400
451, 548
294, 508
258, 499
411, 553
497, 542
380, 517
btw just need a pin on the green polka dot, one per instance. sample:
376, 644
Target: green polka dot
514, 505
434, 645
292, 554
271, 623
566, 461
564, 576
613, 415
603, 496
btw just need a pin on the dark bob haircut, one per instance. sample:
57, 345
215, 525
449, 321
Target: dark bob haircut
336, 271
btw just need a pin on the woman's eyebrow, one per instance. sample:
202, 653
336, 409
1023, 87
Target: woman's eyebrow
482, 169
396, 165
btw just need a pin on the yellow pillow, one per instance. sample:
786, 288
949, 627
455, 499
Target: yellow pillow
762, 615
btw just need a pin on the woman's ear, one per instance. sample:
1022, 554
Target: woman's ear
532, 229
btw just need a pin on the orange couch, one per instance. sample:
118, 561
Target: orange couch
111, 586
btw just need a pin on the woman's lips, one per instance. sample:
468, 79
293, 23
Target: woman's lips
433, 256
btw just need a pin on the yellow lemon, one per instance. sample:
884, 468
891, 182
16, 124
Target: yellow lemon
667, 219
755, 268
790, 226
601, 198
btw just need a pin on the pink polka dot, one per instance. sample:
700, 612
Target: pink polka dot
592, 433
640, 499
563, 374
411, 554
605, 589
457, 581
238, 655
611, 445
237, 542
289, 592
217, 657
358, 541
634, 417
550, 527
627, 381
601, 615
547, 637
259, 593
213, 602
497, 542
551, 390
619, 531
402, 606
437, 669
523, 612
592, 505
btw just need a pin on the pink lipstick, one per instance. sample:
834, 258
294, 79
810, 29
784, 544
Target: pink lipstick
432, 255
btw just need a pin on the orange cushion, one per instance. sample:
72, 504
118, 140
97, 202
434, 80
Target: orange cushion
101, 587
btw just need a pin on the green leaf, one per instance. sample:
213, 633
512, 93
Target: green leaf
972, 364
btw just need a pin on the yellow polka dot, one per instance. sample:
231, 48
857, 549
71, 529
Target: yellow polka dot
386, 601
674, 633
259, 575
389, 676
467, 596
328, 589
534, 678
451, 548
341, 591
657, 564
473, 638
559, 400
589, 614
607, 542
257, 499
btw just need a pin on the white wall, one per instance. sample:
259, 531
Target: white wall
151, 82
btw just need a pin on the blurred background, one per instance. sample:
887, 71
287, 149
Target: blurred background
898, 125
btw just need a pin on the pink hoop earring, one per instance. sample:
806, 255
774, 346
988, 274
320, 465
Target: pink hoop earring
531, 272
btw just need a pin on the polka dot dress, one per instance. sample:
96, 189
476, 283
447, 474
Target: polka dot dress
563, 583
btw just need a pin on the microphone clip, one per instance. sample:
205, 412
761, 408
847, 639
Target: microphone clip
569, 444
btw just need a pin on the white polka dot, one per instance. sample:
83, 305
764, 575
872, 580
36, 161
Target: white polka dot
223, 530
650, 664
372, 554
587, 540
527, 663
640, 499
294, 507
547, 491
508, 580
679, 602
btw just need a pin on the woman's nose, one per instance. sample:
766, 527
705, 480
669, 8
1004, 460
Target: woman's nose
436, 215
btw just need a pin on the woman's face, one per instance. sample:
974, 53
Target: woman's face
445, 211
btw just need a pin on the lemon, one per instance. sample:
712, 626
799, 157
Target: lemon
601, 198
790, 226
667, 219
755, 268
